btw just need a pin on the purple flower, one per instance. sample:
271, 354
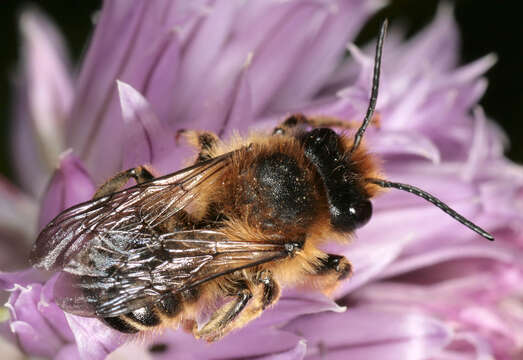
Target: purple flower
424, 286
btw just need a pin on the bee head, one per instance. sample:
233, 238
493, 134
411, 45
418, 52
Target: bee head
344, 185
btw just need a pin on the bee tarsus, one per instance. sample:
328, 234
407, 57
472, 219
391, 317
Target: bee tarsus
140, 174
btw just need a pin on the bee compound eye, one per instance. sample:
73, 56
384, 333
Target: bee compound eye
361, 213
352, 216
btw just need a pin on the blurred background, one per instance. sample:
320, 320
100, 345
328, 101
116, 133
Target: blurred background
486, 27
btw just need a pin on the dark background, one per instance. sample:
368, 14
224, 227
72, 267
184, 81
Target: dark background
486, 26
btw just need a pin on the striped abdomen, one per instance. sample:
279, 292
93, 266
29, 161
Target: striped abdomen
148, 316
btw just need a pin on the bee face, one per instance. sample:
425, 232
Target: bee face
348, 202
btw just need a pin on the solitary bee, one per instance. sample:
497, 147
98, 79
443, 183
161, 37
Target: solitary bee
246, 219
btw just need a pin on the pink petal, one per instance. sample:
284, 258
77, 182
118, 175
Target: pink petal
45, 98
94, 339
131, 43
199, 69
161, 82
8, 280
17, 226
391, 142
294, 303
241, 110
366, 332
230, 108
324, 52
476, 250
369, 259
70, 185
297, 353
273, 62
246, 343
67, 352
147, 141
38, 324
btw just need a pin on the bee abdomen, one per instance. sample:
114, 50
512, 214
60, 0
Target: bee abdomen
146, 317
121, 324
135, 321
170, 305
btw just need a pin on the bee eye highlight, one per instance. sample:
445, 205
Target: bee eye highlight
351, 217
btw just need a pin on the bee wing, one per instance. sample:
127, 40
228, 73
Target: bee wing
136, 209
106, 282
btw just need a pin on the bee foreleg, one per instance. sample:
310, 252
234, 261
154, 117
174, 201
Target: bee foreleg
140, 174
329, 270
300, 121
204, 141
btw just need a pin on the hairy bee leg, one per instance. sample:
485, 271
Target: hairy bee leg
223, 317
330, 270
140, 174
204, 141
300, 120
266, 293
270, 288
334, 264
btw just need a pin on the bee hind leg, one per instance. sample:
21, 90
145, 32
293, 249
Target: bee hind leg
215, 327
140, 174
249, 304
204, 141
299, 121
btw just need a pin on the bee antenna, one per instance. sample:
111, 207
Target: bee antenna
432, 199
375, 86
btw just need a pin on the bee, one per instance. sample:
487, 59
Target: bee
225, 234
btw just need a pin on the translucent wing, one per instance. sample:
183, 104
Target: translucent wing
133, 211
107, 281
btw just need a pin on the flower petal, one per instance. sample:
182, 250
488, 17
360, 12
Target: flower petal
367, 332
369, 259
412, 262
70, 185
201, 76
324, 53
94, 339
17, 226
280, 53
241, 110
67, 352
294, 303
297, 353
38, 324
391, 142
131, 42
45, 98
255, 342
164, 78
230, 108
147, 141
9, 280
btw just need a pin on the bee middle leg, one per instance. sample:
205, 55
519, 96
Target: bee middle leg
140, 174
204, 141
251, 299
298, 121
